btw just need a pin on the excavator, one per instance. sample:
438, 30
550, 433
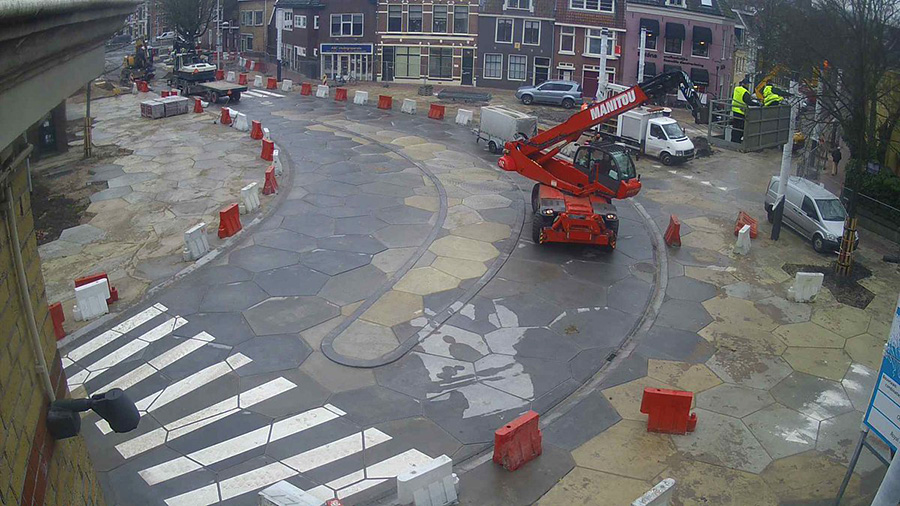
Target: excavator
572, 200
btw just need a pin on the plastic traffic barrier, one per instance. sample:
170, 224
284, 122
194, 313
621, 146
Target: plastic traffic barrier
271, 185
268, 150
385, 102
229, 221
673, 232
668, 411
745, 219
340, 95
436, 111
518, 442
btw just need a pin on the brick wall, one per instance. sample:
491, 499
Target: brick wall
34, 469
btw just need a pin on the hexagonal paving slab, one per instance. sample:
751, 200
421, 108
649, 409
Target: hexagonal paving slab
825, 362
844, 320
814, 397
463, 248
289, 315
232, 297
292, 280
783, 432
809, 334
426, 280
691, 377
749, 369
334, 262
261, 258
352, 286
725, 441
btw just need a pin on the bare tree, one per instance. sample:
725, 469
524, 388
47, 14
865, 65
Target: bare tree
190, 17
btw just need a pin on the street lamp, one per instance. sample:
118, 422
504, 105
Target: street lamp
64, 421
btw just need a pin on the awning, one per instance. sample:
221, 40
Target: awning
649, 70
700, 76
702, 34
651, 25
674, 31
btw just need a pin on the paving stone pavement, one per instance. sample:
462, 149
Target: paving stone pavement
397, 246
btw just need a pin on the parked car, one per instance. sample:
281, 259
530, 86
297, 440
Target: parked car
166, 36
564, 93
811, 210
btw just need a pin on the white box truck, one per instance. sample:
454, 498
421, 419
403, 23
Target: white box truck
500, 125
652, 133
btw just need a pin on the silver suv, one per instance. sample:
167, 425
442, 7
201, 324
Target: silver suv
811, 210
564, 93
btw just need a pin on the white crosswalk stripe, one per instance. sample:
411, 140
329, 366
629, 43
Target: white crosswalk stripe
259, 93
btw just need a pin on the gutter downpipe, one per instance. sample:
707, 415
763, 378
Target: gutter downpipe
40, 363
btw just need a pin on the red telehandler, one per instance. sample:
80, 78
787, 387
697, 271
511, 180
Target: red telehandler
572, 201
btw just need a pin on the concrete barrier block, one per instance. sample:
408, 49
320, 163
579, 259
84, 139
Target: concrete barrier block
806, 286
258, 81
420, 477
195, 243
409, 106
249, 198
287, 85
659, 495
463, 117
241, 123
361, 97
266, 135
276, 161
742, 244
90, 300
231, 76
440, 493
285, 494
322, 91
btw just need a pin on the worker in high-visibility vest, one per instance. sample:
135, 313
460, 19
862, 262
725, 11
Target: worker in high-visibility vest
740, 99
770, 98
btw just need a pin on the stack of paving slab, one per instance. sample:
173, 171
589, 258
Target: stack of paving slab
165, 107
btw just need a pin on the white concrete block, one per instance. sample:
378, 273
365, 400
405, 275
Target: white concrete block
258, 81
441, 493
409, 106
742, 244
90, 300
241, 123
322, 91
660, 495
134, 90
240, 61
195, 242
421, 477
806, 286
463, 117
252, 64
287, 85
285, 494
249, 198
276, 160
361, 97
230, 77
266, 134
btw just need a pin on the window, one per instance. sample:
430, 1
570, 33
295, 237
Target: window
300, 50
246, 18
809, 208
440, 63
407, 62
567, 39
592, 5
541, 69
504, 30
531, 34
461, 19
517, 67
673, 46
316, 22
493, 66
247, 42
518, 4
657, 131
650, 43
395, 18
676, 3
700, 41
415, 19
288, 17
700, 48
593, 40
346, 25
439, 23
258, 18
831, 210
300, 21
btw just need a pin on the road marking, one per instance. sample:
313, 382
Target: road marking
141, 318
199, 419
311, 459
116, 332
376, 473
251, 94
236, 445
268, 93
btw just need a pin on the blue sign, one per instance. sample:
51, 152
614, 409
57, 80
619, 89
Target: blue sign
346, 48
883, 413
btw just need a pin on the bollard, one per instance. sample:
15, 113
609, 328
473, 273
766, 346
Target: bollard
242, 79
195, 243
806, 286
250, 197
258, 81
385, 102
673, 232
305, 89
287, 85
229, 221
463, 117
322, 91
409, 106
267, 150
230, 77
361, 97
256, 132
340, 95
271, 185
436, 112
742, 245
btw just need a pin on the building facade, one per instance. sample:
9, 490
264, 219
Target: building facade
332, 39
690, 35
577, 40
515, 43
254, 17
431, 42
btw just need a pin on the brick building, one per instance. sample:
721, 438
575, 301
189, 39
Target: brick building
329, 38
515, 42
434, 42
254, 17
577, 41
58, 49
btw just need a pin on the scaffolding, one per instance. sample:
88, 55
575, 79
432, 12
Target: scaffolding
764, 127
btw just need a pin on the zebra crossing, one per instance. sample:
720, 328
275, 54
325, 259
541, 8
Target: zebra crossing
321, 447
260, 93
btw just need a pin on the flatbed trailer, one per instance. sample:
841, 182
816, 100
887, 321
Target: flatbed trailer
211, 91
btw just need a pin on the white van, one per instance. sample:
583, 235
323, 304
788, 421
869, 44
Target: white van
811, 210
